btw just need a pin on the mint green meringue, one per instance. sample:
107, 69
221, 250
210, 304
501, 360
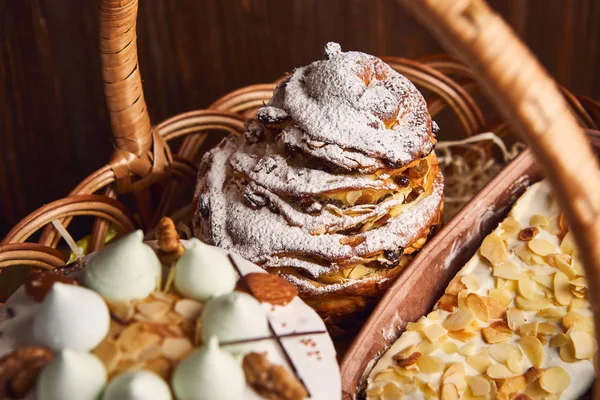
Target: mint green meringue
209, 373
204, 272
71, 375
125, 270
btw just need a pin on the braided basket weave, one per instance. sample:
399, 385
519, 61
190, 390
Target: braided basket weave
151, 174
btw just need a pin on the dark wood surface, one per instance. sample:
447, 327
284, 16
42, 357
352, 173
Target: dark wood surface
54, 128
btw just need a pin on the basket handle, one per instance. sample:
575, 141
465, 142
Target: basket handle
531, 100
139, 150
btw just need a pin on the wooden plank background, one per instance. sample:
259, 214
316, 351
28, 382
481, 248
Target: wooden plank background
53, 122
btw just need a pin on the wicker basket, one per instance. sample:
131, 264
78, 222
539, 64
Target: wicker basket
151, 175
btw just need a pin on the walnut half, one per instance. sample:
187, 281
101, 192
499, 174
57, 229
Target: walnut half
271, 381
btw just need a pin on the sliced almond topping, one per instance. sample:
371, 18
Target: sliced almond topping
501, 295
374, 391
433, 332
462, 336
391, 391
584, 345
555, 380
459, 320
430, 364
479, 385
515, 384
523, 252
499, 371
571, 319
449, 392
550, 313
578, 304
496, 306
153, 310
176, 348
450, 348
479, 363
507, 270
493, 249
533, 374
544, 280
530, 329
515, 366
515, 318
545, 328
478, 306
527, 288
426, 347
456, 286
352, 196
539, 221
109, 353
160, 366
562, 290
557, 260
502, 352
385, 375
188, 308
578, 281
510, 228
567, 353
540, 247
470, 349
415, 327
533, 349
123, 312
567, 245
501, 326
435, 315
559, 340
471, 282
532, 305
448, 302
491, 335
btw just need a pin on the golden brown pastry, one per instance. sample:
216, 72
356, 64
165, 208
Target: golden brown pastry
334, 185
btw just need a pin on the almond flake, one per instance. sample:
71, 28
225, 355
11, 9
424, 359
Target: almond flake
550, 313
433, 332
123, 311
578, 304
532, 305
478, 385
176, 348
391, 391
109, 353
450, 348
568, 245
470, 349
496, 307
491, 335
478, 306
515, 318
507, 270
471, 282
562, 290
455, 286
188, 308
499, 371
584, 345
515, 366
462, 336
459, 320
530, 329
559, 340
567, 353
527, 288
501, 295
533, 374
523, 252
449, 392
430, 364
557, 260
555, 380
374, 391
154, 310
544, 280
533, 349
510, 228
545, 328
426, 347
539, 221
448, 302
502, 352
493, 249
479, 363
541, 247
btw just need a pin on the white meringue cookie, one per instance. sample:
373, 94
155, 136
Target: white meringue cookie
137, 385
71, 375
209, 373
204, 272
127, 269
232, 317
71, 317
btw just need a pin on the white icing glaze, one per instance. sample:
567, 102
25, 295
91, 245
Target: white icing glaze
71, 375
209, 373
137, 385
125, 270
204, 272
535, 201
71, 317
232, 317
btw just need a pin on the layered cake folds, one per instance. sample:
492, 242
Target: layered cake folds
334, 185
515, 322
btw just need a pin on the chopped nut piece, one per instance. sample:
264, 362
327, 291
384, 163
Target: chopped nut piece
533, 349
528, 233
493, 249
555, 380
459, 320
271, 381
